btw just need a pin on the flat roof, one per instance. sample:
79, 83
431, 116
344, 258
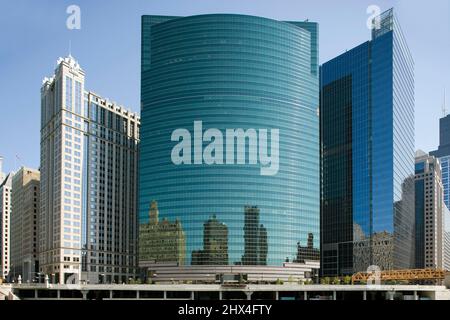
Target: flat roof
218, 287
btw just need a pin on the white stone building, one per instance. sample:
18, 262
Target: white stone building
89, 154
5, 219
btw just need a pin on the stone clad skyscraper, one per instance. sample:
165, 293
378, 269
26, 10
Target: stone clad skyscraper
5, 221
89, 154
367, 154
24, 221
429, 227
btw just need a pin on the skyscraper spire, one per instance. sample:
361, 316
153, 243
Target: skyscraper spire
444, 107
2, 175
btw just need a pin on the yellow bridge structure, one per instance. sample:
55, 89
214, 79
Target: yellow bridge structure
401, 275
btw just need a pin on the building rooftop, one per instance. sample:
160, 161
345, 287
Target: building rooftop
70, 61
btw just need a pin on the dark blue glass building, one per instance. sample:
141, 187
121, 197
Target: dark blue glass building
202, 76
443, 153
367, 148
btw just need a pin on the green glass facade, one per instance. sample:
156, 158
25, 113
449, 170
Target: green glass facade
232, 71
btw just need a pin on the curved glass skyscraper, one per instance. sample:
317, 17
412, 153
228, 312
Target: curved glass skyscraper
229, 156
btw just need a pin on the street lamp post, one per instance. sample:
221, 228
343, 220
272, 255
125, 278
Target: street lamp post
37, 278
153, 275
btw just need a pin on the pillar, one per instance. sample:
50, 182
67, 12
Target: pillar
391, 295
416, 296
249, 295
334, 295
220, 295
364, 295
305, 295
84, 293
277, 295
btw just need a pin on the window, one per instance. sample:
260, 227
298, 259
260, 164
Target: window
78, 97
94, 112
68, 93
86, 109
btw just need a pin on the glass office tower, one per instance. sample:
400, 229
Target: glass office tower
443, 153
367, 154
230, 71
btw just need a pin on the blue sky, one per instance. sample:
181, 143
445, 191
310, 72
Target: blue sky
33, 35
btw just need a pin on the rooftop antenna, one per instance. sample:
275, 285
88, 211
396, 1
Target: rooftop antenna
444, 106
15, 161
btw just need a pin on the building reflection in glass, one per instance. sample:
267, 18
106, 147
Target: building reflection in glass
215, 244
308, 252
388, 249
255, 238
376, 250
161, 241
404, 225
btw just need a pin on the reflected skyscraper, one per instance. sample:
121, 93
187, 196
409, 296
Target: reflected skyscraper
161, 241
307, 252
215, 244
255, 238
367, 154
